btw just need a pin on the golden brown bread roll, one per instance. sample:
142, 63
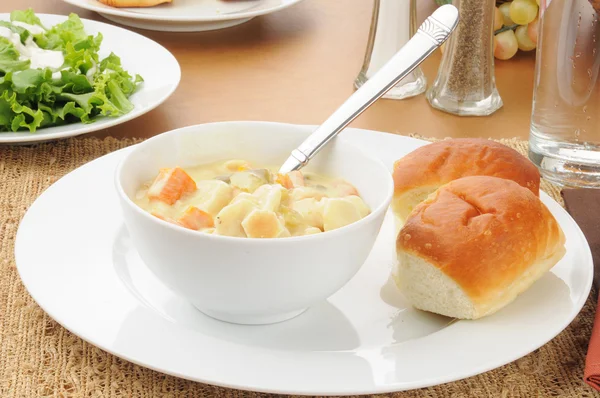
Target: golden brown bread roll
134, 3
474, 245
425, 169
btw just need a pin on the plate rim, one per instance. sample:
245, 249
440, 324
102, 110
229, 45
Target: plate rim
27, 137
377, 389
153, 17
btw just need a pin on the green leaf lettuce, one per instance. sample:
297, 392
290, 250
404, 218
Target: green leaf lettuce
84, 88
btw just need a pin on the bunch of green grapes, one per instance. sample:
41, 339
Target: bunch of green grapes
516, 27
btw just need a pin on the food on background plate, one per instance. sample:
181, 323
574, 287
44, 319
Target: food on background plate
475, 244
424, 170
52, 76
134, 3
234, 198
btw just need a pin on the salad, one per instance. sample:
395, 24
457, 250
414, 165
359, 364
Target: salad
51, 76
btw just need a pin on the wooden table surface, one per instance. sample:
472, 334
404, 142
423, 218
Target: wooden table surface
297, 66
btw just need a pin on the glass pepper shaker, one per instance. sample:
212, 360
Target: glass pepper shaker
465, 84
392, 25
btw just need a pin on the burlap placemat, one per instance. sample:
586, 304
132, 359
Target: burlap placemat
38, 358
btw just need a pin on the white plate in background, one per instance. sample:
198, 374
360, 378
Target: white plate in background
139, 55
75, 258
186, 15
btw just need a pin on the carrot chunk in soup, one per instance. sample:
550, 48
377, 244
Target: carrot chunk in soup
196, 219
170, 185
285, 181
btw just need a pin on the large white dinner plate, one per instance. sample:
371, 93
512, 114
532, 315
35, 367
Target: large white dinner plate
187, 15
138, 54
75, 257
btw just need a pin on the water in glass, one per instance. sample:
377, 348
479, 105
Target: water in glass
565, 123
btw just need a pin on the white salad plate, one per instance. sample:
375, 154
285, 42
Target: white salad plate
75, 257
187, 15
139, 55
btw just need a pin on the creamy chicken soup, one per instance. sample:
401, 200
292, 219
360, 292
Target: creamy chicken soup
236, 198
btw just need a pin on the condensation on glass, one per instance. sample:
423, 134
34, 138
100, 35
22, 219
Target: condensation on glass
565, 123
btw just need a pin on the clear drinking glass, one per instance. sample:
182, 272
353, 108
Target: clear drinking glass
565, 124
465, 84
393, 24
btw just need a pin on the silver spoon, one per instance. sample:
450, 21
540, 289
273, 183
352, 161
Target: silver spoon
431, 34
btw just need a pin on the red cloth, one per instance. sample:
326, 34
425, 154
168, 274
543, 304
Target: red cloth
591, 374
584, 207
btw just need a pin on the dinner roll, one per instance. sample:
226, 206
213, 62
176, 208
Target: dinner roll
425, 169
475, 244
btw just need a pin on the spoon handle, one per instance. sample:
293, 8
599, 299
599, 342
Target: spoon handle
430, 35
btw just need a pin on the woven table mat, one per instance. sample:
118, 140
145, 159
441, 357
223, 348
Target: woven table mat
39, 358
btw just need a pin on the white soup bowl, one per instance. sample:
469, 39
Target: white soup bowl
243, 280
